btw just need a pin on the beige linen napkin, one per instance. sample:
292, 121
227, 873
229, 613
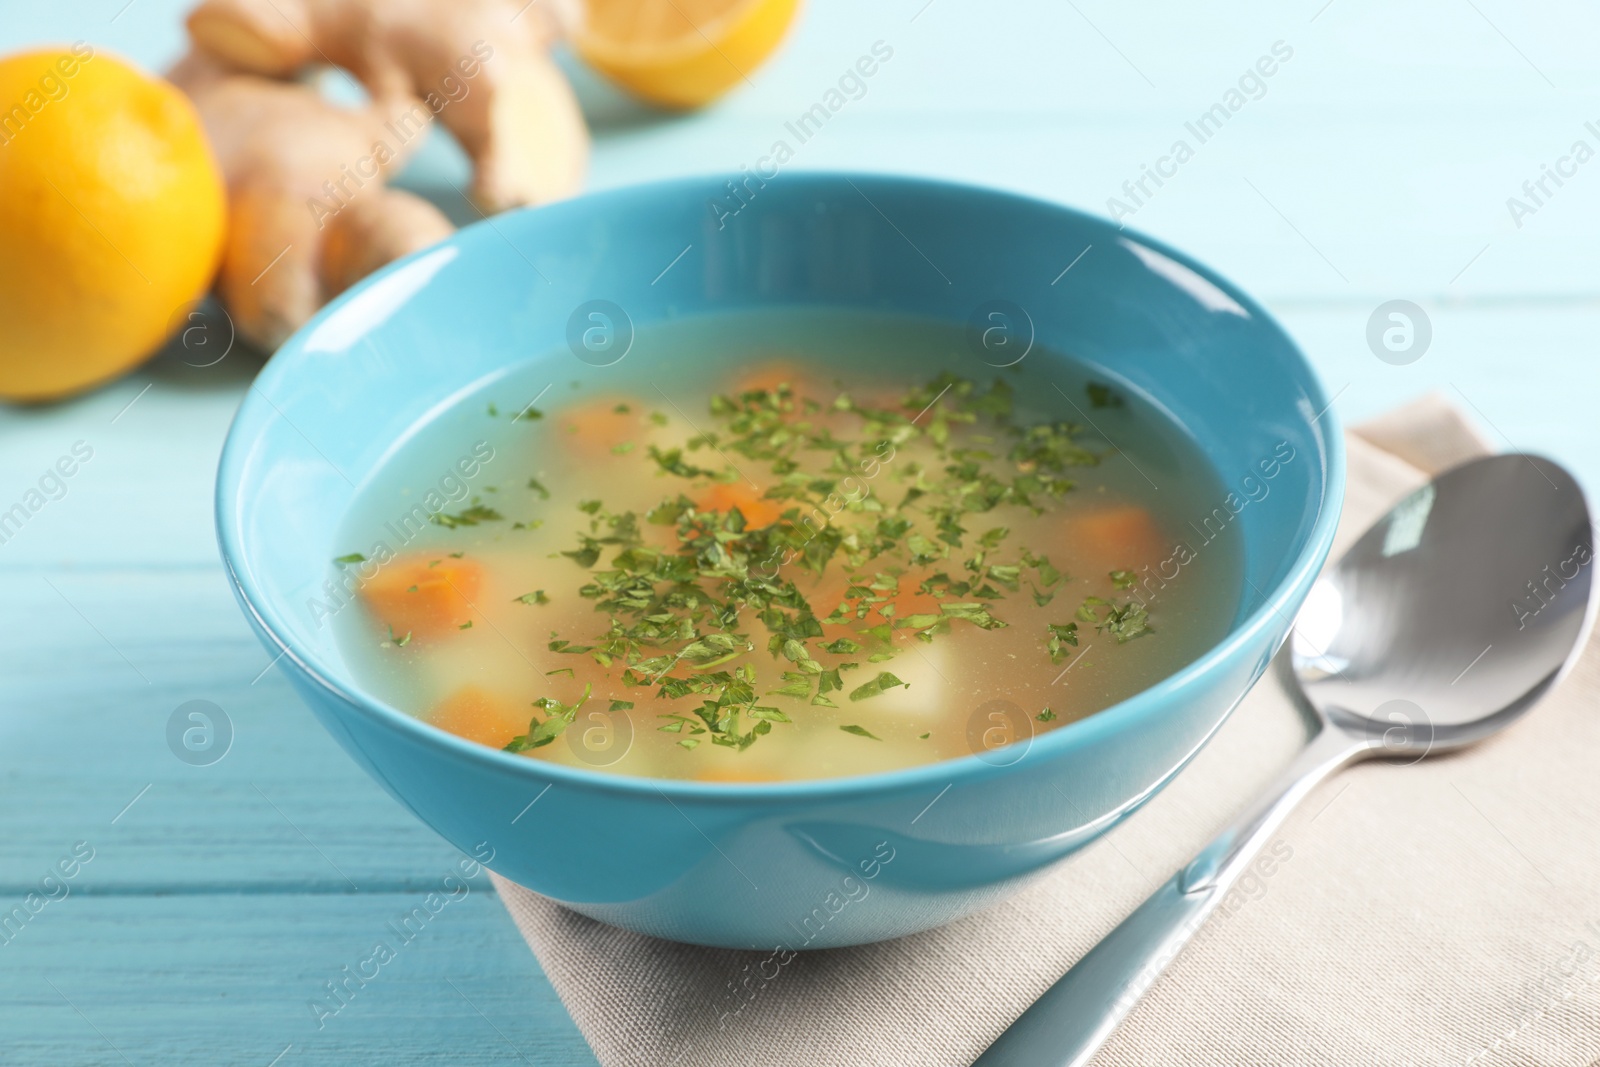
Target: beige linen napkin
1442, 913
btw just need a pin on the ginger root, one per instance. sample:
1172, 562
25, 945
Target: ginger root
374, 231
482, 66
278, 142
310, 213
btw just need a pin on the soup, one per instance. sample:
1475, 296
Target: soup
782, 545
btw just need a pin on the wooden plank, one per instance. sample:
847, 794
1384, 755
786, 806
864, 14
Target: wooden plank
97, 662
144, 499
208, 979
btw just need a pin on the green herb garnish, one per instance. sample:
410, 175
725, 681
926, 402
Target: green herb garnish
1059, 637
542, 733
1123, 621
466, 517
881, 684
1103, 396
681, 612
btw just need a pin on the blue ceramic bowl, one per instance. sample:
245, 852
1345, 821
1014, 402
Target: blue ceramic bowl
805, 864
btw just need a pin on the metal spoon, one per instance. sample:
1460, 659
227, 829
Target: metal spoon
1450, 618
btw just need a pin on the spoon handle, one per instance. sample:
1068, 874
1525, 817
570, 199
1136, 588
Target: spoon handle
1074, 1017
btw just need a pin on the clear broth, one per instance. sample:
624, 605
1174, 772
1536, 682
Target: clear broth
553, 423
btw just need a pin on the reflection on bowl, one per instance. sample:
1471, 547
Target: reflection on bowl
801, 864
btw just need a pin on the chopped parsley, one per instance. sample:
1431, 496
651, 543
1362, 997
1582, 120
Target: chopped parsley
881, 684
1059, 637
541, 733
1123, 621
467, 517
915, 554
1103, 396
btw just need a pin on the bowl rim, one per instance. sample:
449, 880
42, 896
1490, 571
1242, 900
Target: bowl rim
1303, 571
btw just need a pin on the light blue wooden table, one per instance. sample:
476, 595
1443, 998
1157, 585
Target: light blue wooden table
1374, 164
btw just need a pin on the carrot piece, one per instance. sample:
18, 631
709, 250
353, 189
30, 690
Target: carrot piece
478, 715
770, 375
409, 596
1122, 535
758, 511
595, 428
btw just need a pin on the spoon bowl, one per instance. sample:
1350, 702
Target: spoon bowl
1454, 613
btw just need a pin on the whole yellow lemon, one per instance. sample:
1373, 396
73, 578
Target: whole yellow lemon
112, 215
